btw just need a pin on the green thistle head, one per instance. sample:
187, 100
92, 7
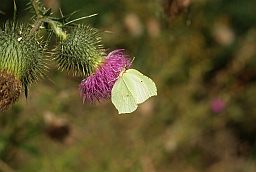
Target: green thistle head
21, 58
81, 52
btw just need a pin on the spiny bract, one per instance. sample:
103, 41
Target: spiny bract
81, 52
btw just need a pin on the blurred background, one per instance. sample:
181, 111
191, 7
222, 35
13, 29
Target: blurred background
201, 55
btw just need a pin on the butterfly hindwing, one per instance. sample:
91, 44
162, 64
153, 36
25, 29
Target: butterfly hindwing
122, 98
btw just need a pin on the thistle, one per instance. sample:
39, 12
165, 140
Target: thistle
217, 105
21, 63
81, 51
98, 85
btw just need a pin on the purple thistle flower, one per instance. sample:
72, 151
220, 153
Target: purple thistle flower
98, 85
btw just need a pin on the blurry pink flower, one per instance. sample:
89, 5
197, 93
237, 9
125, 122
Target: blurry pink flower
217, 105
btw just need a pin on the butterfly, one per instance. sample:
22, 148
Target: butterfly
130, 89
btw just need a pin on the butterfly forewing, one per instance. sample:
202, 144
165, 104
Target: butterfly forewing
140, 86
122, 98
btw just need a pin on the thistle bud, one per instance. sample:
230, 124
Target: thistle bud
81, 52
21, 62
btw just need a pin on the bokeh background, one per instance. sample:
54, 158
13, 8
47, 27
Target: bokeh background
201, 55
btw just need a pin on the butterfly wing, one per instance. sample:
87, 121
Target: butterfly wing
122, 98
140, 86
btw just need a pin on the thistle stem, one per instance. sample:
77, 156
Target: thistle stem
35, 7
39, 21
37, 25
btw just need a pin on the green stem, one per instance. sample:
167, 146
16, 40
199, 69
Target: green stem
35, 7
39, 18
57, 29
37, 25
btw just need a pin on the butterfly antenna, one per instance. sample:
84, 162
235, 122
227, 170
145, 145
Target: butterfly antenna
129, 65
132, 59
